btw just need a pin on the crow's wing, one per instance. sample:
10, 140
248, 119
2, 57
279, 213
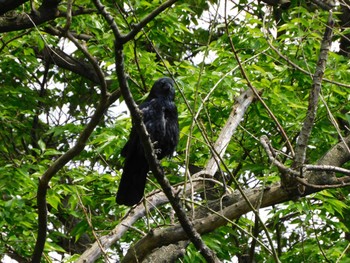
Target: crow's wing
154, 119
160, 119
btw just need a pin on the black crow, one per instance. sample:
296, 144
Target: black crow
161, 121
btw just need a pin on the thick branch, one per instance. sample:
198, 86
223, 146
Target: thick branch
8, 5
165, 236
337, 155
47, 11
300, 152
65, 61
237, 113
168, 253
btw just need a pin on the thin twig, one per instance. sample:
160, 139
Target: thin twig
325, 5
268, 149
328, 168
316, 233
334, 122
304, 182
138, 27
253, 208
88, 219
343, 253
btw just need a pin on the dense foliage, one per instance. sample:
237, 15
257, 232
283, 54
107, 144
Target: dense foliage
58, 59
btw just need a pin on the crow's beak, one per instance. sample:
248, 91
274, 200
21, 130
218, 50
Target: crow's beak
168, 86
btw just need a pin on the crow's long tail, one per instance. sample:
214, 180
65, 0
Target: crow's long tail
133, 181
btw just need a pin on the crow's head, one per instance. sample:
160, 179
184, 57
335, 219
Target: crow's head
163, 88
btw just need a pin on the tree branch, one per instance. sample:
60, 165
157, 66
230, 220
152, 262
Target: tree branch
271, 155
302, 141
168, 253
234, 119
106, 241
24, 21
104, 103
329, 168
295, 66
65, 61
321, 183
93, 62
237, 206
154, 163
337, 155
8, 5
324, 4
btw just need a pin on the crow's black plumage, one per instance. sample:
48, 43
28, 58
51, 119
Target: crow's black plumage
160, 118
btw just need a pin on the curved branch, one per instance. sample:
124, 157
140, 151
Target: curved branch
54, 168
68, 62
65, 61
103, 105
